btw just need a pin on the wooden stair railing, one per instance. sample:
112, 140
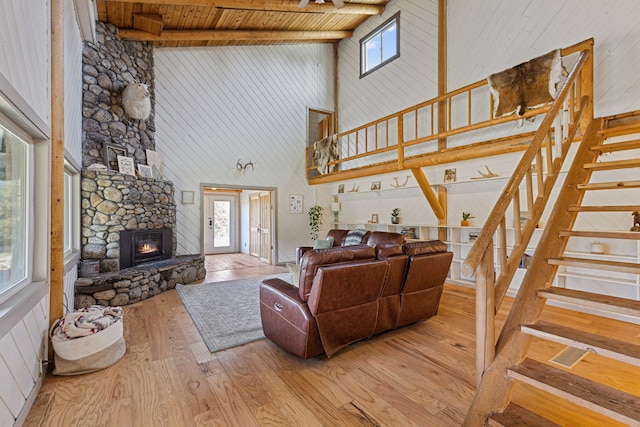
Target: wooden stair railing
615, 403
546, 153
408, 139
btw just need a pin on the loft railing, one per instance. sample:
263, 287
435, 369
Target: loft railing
407, 138
531, 183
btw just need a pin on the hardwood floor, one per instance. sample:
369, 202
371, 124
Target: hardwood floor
420, 375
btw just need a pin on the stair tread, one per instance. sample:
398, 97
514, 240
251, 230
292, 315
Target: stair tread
604, 346
620, 266
613, 185
601, 398
619, 208
612, 234
593, 300
517, 416
619, 130
615, 164
617, 146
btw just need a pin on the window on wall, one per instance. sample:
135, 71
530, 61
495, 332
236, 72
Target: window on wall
16, 157
380, 46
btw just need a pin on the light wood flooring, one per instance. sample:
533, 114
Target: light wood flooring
420, 375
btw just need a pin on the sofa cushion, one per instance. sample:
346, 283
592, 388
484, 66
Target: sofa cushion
315, 258
323, 243
384, 236
423, 247
388, 249
294, 270
355, 237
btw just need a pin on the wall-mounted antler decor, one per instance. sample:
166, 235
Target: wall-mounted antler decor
243, 167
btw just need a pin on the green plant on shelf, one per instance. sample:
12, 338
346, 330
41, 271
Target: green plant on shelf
466, 216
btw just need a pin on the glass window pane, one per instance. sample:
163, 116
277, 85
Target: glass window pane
221, 219
373, 52
68, 214
13, 210
389, 45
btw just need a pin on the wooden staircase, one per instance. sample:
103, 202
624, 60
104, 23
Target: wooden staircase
524, 327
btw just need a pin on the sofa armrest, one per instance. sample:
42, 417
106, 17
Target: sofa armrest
300, 250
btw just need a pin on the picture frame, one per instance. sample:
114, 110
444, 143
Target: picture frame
295, 204
187, 197
126, 165
449, 175
145, 171
154, 160
340, 188
374, 218
375, 186
111, 153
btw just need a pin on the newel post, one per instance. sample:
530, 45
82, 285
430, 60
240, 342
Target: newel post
485, 312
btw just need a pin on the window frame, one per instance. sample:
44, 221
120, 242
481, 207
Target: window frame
379, 30
30, 232
72, 207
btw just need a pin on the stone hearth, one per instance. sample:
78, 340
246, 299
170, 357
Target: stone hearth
135, 284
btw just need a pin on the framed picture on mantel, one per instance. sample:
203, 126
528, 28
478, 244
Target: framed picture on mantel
111, 153
126, 165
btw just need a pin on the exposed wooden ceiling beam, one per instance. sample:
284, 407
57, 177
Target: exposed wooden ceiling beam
150, 23
232, 35
269, 5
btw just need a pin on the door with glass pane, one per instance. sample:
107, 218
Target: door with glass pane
220, 223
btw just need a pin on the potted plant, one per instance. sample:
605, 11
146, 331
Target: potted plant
395, 216
315, 220
466, 216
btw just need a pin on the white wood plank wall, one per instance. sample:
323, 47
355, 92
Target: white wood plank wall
217, 105
72, 84
22, 349
24, 57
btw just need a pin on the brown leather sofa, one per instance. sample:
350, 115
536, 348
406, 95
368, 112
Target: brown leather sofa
351, 293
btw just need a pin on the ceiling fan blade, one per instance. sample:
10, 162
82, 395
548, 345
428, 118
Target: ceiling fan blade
303, 4
339, 4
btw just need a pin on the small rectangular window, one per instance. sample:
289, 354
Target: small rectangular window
380, 46
68, 213
14, 210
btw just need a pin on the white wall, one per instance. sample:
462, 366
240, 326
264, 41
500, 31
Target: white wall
217, 105
24, 82
489, 36
406, 81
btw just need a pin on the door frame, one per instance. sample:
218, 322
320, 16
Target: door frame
274, 216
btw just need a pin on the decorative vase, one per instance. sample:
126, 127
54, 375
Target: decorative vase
395, 219
464, 222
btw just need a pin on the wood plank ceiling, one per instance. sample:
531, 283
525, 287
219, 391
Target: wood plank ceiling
170, 23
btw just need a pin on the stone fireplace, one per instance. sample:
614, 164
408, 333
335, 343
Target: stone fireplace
128, 221
117, 206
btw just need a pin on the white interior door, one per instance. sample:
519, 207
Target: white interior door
221, 220
260, 226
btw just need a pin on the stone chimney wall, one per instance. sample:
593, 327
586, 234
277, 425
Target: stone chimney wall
108, 67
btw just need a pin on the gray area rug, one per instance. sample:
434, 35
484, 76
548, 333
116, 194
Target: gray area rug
227, 314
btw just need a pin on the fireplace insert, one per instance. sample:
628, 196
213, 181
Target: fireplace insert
140, 246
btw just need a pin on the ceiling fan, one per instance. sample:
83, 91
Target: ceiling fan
339, 4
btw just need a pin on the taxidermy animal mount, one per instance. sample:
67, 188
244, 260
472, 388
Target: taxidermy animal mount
398, 185
136, 101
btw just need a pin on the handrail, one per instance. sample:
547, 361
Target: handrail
377, 137
558, 128
522, 170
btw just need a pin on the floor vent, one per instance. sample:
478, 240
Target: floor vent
569, 357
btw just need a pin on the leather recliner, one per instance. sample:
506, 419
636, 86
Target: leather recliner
347, 294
